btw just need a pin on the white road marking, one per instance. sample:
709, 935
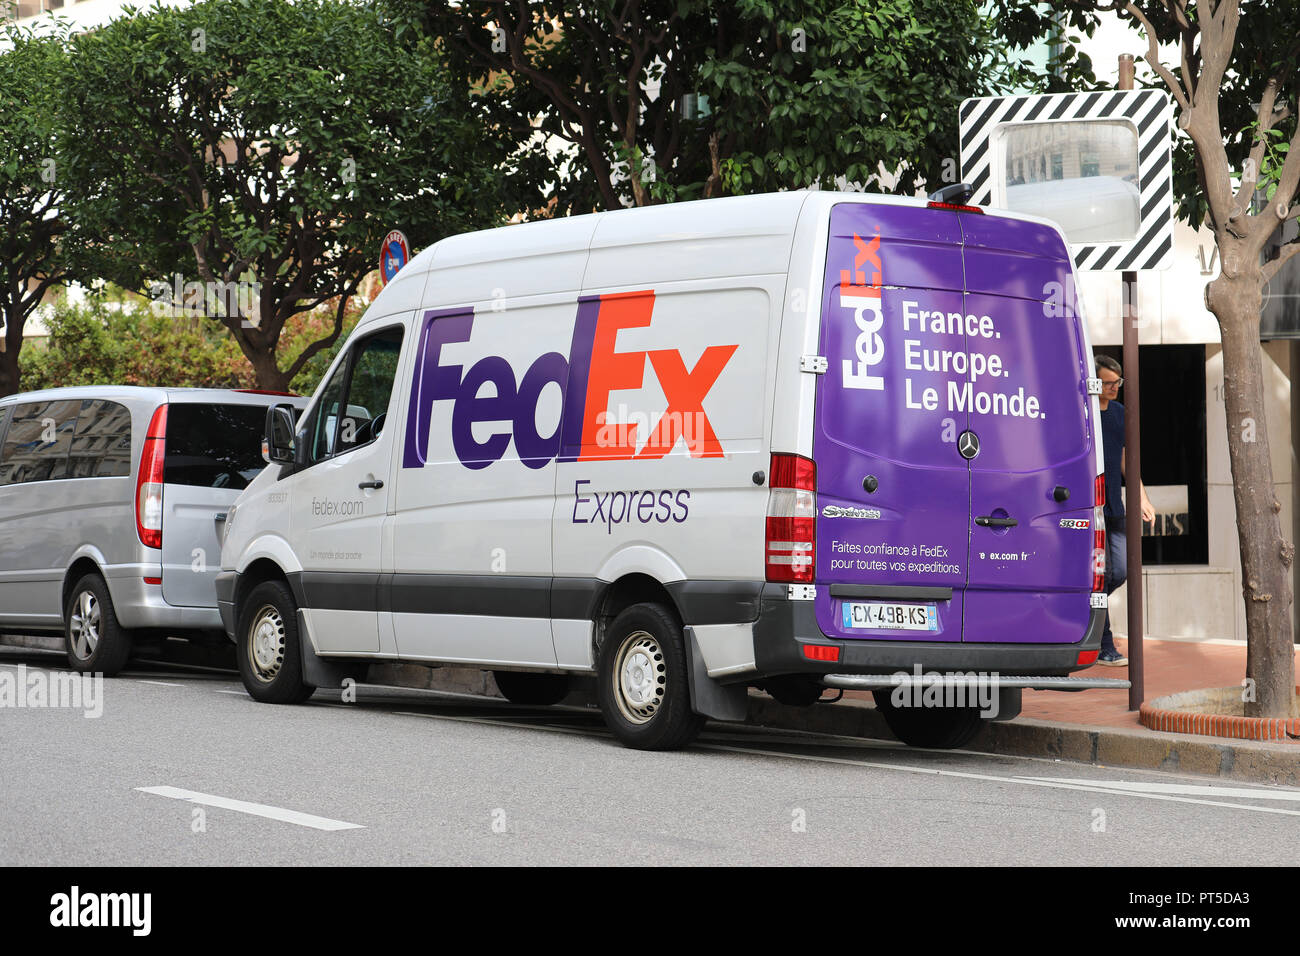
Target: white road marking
256, 809
1135, 789
240, 693
1050, 782
1182, 788
156, 683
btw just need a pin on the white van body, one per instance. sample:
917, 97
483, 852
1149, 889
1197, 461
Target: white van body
584, 419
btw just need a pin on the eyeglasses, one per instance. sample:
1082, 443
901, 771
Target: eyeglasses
1115, 384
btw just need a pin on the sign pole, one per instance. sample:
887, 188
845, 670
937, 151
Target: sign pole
1132, 459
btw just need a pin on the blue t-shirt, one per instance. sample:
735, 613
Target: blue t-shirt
1112, 446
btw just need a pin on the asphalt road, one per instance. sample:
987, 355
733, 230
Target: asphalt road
182, 768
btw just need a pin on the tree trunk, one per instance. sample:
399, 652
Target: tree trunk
13, 335
266, 371
1266, 556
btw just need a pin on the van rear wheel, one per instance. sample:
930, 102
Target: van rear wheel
645, 695
939, 728
95, 641
268, 648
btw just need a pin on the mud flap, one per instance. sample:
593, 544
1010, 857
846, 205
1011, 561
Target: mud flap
708, 697
317, 671
1008, 703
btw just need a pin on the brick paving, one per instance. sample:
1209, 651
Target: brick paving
1169, 667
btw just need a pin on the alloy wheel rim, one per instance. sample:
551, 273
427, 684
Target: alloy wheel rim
85, 625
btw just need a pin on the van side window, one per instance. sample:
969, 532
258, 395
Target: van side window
37, 442
354, 404
101, 445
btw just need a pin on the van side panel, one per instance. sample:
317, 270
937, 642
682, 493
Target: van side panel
475, 478
671, 430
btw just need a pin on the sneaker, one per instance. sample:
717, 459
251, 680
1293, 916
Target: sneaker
1112, 658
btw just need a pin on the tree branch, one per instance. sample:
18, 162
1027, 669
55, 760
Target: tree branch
1270, 269
1153, 58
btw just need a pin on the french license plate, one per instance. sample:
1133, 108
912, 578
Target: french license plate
880, 615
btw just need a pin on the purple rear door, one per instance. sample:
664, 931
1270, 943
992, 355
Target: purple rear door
1027, 582
891, 308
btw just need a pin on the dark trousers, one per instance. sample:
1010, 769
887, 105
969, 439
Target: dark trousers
1116, 570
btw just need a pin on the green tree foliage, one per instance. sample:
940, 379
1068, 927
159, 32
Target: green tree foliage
263, 150
31, 230
695, 98
111, 340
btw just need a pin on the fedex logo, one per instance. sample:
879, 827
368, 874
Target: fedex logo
863, 298
592, 370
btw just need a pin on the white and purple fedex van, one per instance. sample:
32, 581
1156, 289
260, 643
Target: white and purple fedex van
792, 441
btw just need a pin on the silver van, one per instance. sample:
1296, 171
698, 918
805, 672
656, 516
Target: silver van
112, 500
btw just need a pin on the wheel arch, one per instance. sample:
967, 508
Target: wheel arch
633, 588
87, 562
259, 571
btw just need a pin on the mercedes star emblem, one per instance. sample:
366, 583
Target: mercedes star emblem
968, 443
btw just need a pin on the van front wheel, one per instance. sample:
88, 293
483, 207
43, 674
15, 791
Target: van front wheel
268, 649
645, 696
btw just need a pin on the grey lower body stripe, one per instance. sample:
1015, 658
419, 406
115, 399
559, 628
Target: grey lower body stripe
499, 595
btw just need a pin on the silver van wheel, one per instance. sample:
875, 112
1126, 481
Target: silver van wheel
93, 638
266, 644
642, 677
85, 625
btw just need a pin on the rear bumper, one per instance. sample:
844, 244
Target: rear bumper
141, 605
785, 627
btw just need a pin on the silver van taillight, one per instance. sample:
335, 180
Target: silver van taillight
149, 482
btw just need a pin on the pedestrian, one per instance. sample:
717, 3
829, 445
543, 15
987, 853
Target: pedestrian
1111, 374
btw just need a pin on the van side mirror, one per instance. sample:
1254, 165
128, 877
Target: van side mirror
278, 440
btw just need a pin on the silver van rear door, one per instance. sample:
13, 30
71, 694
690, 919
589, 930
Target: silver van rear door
213, 452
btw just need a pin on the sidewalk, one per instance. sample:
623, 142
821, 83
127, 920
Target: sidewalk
1095, 726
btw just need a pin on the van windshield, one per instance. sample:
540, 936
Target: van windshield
213, 446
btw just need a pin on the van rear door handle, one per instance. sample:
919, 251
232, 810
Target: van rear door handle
988, 521
371, 484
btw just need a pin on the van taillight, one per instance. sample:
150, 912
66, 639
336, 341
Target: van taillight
791, 520
149, 483
1099, 533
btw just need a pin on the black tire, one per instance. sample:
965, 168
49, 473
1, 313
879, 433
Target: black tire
95, 641
267, 646
643, 686
939, 728
539, 690
793, 691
